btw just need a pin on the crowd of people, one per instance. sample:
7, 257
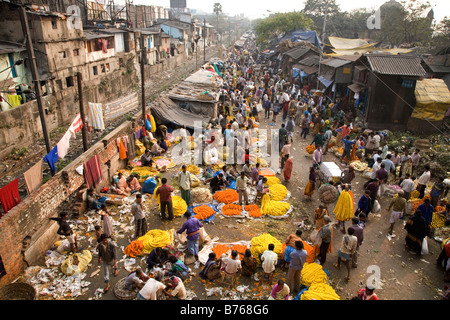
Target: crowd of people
253, 87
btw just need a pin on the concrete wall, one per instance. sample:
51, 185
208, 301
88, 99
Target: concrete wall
27, 233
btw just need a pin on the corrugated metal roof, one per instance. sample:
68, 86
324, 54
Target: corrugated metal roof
297, 52
307, 69
402, 65
335, 63
310, 61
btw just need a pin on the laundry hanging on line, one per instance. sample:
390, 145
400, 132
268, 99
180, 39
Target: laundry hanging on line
63, 145
76, 126
52, 158
92, 171
33, 177
9, 195
96, 116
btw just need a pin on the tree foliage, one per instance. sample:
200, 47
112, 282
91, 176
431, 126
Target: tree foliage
281, 23
407, 23
217, 9
441, 37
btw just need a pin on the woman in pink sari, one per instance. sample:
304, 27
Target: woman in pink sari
133, 184
122, 186
288, 164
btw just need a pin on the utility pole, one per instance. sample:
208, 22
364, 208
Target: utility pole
204, 41
323, 43
34, 73
82, 116
142, 76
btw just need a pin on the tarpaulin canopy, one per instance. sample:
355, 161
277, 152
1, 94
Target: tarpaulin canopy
345, 43
432, 100
305, 35
167, 111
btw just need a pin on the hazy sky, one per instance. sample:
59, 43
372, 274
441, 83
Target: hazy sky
258, 8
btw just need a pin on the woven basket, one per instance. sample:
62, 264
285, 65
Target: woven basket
18, 291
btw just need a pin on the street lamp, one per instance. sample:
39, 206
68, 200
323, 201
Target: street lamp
17, 63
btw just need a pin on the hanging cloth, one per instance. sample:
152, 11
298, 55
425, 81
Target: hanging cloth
9, 195
51, 158
92, 171
33, 177
153, 123
14, 100
122, 151
96, 116
76, 125
63, 145
131, 146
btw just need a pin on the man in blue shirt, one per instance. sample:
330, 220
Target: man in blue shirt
348, 144
298, 258
363, 203
427, 211
192, 227
388, 164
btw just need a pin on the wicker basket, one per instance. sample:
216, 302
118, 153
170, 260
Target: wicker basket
18, 291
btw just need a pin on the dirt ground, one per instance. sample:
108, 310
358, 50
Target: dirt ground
403, 276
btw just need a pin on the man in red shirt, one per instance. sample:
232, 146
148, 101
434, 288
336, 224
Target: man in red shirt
367, 293
165, 197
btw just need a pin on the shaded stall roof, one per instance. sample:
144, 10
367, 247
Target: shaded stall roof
335, 63
167, 111
297, 52
200, 86
355, 87
310, 61
95, 34
402, 65
307, 69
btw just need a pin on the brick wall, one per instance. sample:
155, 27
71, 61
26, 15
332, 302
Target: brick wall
27, 233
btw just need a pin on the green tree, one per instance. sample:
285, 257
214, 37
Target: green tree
279, 24
351, 24
316, 10
441, 37
407, 22
217, 9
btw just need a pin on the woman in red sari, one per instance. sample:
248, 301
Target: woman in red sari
288, 164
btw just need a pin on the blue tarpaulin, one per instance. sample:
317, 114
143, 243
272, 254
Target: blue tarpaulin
303, 35
326, 82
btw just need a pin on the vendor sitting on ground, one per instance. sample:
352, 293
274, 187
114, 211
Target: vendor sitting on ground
136, 279
163, 145
94, 201
156, 150
178, 268
208, 173
261, 189
175, 289
133, 184
211, 270
157, 257
120, 184
146, 159
217, 183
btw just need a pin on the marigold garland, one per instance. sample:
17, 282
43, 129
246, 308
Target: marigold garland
226, 196
203, 212
232, 209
